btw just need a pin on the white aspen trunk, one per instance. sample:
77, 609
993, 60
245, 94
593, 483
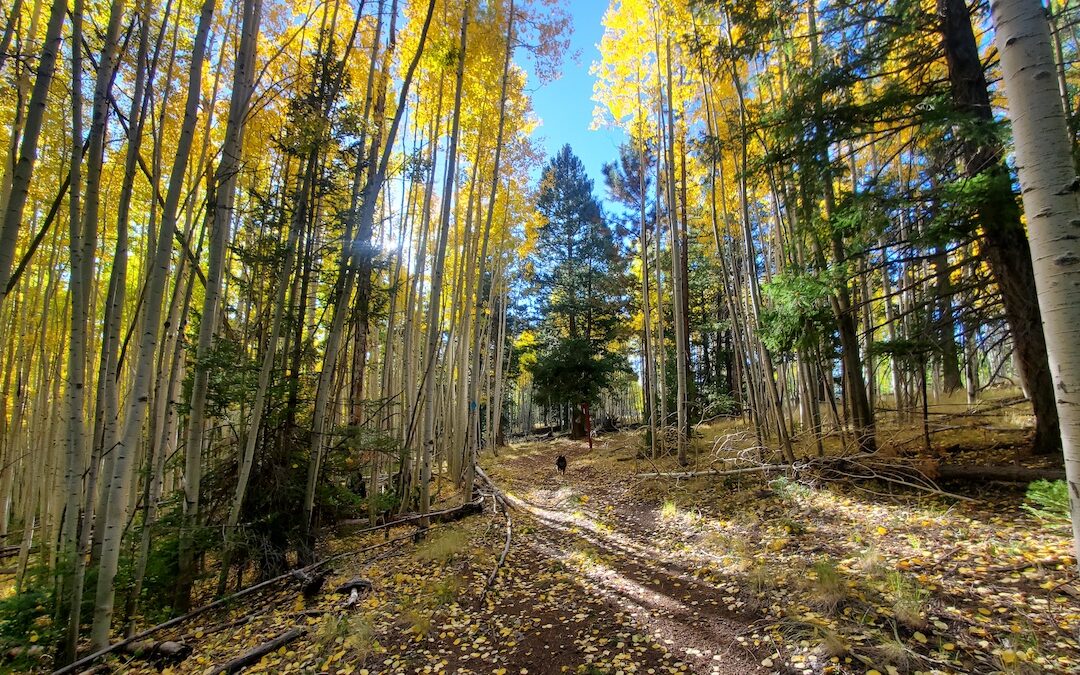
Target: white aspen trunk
139, 395
472, 445
648, 371
495, 435
78, 293
83, 249
24, 168
376, 177
431, 353
661, 345
678, 272
1049, 187
221, 222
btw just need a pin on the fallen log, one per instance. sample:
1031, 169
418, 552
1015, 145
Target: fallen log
500, 499
90, 658
255, 655
235, 623
861, 467
713, 472
1002, 474
165, 651
31, 652
445, 516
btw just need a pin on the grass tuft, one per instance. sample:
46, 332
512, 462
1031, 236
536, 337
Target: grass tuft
894, 653
909, 601
669, 510
827, 585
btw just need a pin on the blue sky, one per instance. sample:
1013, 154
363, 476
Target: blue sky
565, 106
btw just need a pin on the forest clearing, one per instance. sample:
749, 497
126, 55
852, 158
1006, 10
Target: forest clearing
371, 336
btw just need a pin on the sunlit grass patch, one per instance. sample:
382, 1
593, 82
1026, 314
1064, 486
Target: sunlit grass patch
871, 562
416, 621
584, 557
669, 510
445, 590
352, 634
444, 547
763, 578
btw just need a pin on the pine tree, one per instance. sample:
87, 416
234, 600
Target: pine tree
581, 288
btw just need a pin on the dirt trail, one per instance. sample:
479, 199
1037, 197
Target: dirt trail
587, 588
590, 521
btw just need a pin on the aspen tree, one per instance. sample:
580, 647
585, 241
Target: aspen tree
23, 170
138, 397
1049, 185
433, 340
220, 215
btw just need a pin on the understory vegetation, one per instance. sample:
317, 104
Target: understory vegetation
322, 350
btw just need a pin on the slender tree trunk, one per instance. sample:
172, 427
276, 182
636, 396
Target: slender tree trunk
151, 319
220, 216
431, 353
678, 276
1049, 185
24, 168
78, 294
1005, 243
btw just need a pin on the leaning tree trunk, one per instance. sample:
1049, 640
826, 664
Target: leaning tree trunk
138, 397
1049, 185
1006, 245
220, 223
24, 168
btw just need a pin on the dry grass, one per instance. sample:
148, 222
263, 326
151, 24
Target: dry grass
444, 547
909, 601
828, 588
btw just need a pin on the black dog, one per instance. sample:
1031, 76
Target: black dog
560, 464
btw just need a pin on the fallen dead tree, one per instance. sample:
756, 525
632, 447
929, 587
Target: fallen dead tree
856, 468
164, 651
1001, 474
764, 468
255, 655
500, 500
445, 516
75, 666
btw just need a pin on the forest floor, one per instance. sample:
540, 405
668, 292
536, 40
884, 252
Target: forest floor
612, 572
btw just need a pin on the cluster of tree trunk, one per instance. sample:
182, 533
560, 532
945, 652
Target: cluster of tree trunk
281, 293
818, 244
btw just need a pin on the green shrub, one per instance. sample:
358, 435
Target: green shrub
25, 619
1049, 501
788, 489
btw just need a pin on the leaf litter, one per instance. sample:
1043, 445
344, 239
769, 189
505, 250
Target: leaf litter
608, 574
